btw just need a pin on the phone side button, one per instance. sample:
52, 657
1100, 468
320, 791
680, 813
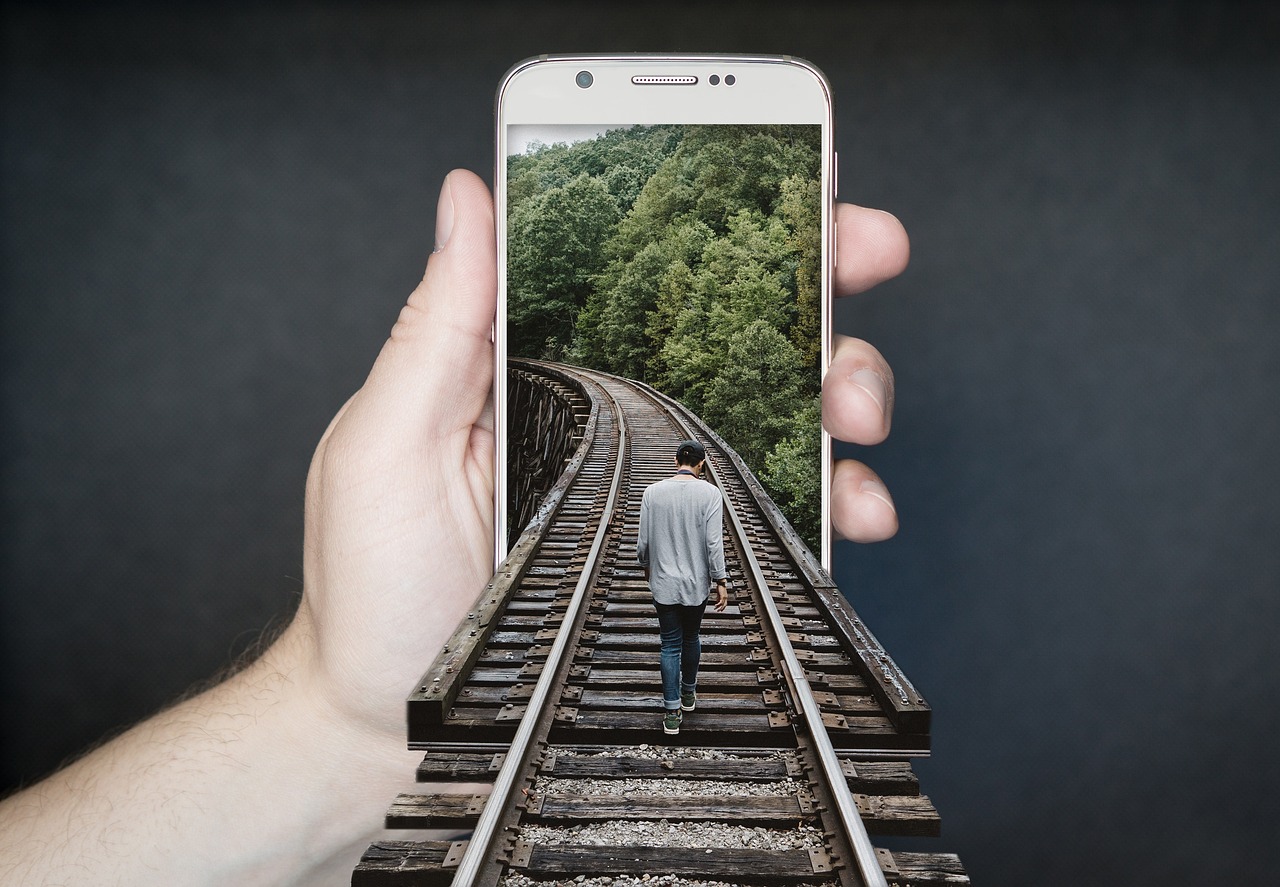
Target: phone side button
835, 246
835, 175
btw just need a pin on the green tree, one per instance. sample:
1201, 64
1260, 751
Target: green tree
793, 473
800, 207
755, 393
554, 248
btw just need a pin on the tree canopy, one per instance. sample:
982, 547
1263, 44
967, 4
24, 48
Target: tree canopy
687, 257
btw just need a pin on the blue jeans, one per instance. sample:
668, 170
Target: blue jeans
678, 626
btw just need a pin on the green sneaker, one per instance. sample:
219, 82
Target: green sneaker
671, 721
688, 700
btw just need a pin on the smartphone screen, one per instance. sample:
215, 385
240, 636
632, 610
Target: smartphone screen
674, 234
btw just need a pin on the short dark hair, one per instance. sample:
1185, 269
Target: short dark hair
690, 453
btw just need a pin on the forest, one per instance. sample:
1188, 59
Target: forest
688, 257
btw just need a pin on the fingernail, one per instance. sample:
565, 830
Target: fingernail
873, 487
444, 216
873, 383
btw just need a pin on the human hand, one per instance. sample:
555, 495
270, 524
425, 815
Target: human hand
722, 598
280, 774
399, 521
857, 393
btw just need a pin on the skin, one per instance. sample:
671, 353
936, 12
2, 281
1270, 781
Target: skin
282, 773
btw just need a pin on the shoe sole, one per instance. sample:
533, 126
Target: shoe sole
669, 731
684, 707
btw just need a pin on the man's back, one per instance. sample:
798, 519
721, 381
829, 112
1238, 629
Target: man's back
680, 539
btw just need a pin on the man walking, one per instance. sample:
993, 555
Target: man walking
681, 548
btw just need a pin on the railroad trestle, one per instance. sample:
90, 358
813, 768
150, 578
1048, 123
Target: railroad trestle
799, 749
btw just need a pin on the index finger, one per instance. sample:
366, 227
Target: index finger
871, 247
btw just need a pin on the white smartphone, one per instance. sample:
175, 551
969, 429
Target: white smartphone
669, 219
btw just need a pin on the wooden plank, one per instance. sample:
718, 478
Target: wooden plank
439, 766
496, 658
851, 705
903, 815
403, 864
648, 640
671, 768
904, 869
717, 624
434, 811
478, 716
865, 777
881, 777
649, 678
840, 681
777, 809
737, 865
649, 721
710, 658
879, 738
898, 815
640, 700
495, 695
627, 610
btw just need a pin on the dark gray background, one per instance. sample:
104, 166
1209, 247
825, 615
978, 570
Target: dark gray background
211, 218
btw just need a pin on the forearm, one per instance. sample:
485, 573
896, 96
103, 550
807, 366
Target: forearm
256, 781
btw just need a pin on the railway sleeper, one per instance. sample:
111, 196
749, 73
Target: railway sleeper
741, 865
896, 815
865, 777
423, 864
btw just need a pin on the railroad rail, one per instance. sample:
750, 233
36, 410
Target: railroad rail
541, 718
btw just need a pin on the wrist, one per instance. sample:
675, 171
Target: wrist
325, 705
335, 768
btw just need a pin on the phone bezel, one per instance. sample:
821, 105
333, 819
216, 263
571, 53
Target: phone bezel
542, 90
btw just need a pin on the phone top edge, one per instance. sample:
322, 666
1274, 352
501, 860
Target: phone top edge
647, 57
660, 56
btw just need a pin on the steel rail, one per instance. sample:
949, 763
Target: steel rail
811, 712
477, 853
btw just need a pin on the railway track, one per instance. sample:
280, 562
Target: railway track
545, 759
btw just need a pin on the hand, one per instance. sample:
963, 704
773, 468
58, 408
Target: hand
722, 598
281, 774
399, 523
857, 393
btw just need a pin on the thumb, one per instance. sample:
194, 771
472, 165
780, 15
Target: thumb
434, 373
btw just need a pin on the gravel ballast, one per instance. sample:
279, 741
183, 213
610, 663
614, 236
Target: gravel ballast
516, 880
663, 787
646, 833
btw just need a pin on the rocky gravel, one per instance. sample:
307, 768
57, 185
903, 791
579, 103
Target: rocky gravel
516, 880
661, 787
662, 833
646, 833
661, 752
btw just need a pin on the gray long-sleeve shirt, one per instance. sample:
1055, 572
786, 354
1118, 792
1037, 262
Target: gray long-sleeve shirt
681, 540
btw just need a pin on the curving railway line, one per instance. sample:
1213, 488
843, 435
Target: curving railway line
545, 760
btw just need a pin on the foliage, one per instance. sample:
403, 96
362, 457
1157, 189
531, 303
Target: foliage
789, 471
554, 249
688, 257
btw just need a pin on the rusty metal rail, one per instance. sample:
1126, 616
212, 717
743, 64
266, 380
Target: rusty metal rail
549, 691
